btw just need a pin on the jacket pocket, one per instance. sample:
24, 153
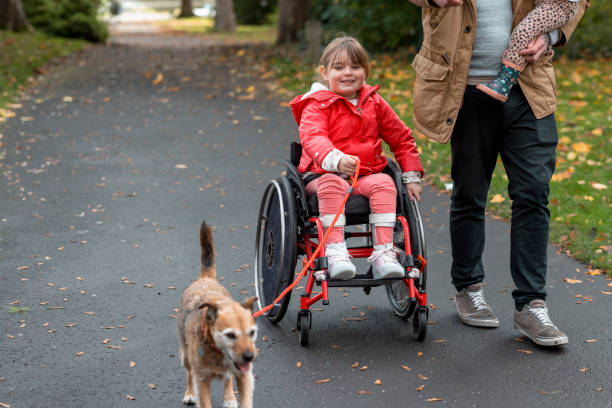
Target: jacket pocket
429, 70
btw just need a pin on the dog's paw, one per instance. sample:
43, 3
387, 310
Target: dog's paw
230, 404
189, 400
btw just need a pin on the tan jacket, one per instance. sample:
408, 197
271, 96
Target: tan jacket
443, 63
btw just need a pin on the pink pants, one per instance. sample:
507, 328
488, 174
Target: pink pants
379, 188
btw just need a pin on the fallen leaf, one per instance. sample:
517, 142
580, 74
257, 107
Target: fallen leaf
158, 79
10, 336
582, 370
132, 363
421, 388
364, 368
422, 377
591, 341
80, 353
406, 368
420, 354
497, 198
3, 405
326, 380
130, 397
572, 281
581, 147
434, 399
152, 386
354, 365
181, 166
599, 186
298, 364
524, 351
378, 381
362, 392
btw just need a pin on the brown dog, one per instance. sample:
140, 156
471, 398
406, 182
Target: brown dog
216, 336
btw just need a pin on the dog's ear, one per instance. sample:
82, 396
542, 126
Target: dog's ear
211, 312
248, 303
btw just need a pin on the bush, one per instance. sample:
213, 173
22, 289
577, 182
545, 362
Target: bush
381, 26
253, 12
67, 18
592, 36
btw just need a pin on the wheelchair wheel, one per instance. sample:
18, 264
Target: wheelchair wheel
419, 323
397, 292
304, 324
275, 247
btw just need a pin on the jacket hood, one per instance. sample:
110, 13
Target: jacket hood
319, 92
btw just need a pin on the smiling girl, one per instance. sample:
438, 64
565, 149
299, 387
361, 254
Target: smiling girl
342, 120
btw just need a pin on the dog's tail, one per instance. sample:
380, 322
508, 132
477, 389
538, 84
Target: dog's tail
208, 253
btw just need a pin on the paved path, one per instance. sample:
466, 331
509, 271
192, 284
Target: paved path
111, 164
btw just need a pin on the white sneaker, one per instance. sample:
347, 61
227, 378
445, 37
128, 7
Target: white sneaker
339, 263
384, 262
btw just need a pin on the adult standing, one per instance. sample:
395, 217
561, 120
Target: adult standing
462, 47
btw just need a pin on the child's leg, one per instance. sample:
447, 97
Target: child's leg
381, 191
330, 190
546, 16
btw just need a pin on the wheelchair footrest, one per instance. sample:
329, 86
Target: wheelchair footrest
360, 282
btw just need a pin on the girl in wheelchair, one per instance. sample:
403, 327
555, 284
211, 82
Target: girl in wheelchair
343, 120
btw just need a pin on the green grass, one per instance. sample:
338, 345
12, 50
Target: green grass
22, 55
205, 26
580, 202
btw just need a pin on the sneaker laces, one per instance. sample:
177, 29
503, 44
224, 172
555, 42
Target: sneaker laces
335, 256
542, 314
477, 299
386, 255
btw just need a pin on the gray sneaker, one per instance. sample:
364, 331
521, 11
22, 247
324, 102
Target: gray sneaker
472, 308
533, 322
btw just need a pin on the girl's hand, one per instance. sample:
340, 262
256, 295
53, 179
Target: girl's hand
348, 164
414, 191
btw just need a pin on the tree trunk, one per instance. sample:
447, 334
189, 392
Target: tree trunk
225, 19
186, 8
12, 16
292, 16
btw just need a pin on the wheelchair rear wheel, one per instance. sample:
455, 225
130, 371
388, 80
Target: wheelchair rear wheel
397, 292
275, 247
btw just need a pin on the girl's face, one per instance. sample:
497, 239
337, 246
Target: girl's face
345, 77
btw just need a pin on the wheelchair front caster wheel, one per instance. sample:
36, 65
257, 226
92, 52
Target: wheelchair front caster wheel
419, 322
304, 323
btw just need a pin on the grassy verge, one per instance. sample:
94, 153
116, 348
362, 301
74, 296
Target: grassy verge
22, 55
580, 205
206, 26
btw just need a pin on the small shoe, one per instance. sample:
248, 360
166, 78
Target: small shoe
472, 308
385, 264
339, 263
500, 87
533, 321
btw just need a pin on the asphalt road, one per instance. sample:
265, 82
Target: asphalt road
112, 162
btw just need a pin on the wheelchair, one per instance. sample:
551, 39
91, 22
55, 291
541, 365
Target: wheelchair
288, 227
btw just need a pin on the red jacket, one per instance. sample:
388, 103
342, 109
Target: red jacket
329, 121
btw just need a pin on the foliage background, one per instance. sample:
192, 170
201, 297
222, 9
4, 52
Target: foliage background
67, 18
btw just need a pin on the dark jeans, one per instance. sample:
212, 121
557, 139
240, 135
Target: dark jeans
486, 128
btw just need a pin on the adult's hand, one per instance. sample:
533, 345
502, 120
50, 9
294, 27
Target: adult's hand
348, 164
535, 49
448, 3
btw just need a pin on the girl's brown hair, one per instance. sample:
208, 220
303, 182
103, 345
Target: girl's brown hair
355, 51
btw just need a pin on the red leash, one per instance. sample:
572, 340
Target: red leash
316, 252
